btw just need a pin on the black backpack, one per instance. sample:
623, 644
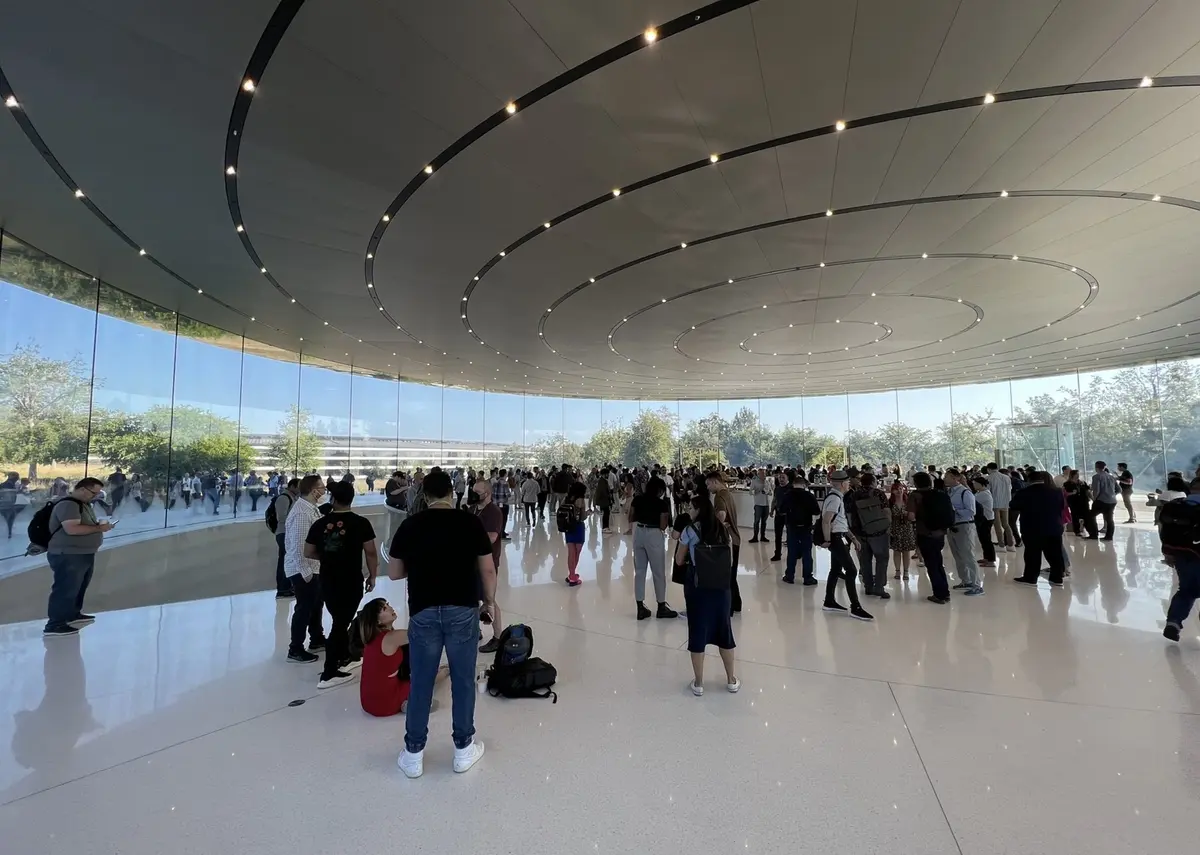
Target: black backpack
272, 517
39, 527
937, 514
874, 516
567, 516
516, 672
1179, 526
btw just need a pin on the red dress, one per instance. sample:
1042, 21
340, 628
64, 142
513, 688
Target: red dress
379, 689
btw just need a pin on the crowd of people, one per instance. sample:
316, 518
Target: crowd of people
450, 529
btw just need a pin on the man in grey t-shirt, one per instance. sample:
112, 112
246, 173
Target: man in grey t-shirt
75, 537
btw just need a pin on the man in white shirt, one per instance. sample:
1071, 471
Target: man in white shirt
837, 539
304, 573
761, 489
1061, 479
962, 500
1000, 486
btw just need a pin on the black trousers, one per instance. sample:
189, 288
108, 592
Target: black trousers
1104, 509
504, 522
1081, 516
1049, 545
930, 548
605, 513
1014, 516
983, 528
542, 503
342, 597
780, 526
735, 595
841, 566
530, 512
306, 616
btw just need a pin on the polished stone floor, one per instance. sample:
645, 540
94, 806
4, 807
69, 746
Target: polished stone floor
1023, 721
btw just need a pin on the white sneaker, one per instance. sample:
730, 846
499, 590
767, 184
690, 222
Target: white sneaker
412, 765
352, 665
698, 691
336, 680
733, 687
465, 758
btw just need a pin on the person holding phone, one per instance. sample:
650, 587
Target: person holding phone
75, 538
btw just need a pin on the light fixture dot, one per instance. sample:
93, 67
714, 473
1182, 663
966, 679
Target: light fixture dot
829, 212
229, 170
263, 269
1003, 194
683, 245
78, 193
713, 158
386, 218
1156, 198
510, 107
839, 125
1016, 258
1146, 82
239, 228
141, 252
822, 264
248, 85
502, 253
989, 98
924, 255
201, 291
651, 35
616, 191
545, 225
11, 102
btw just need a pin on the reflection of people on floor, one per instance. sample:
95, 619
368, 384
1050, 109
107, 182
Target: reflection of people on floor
43, 738
14, 497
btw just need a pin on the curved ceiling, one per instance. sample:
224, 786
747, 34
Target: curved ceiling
628, 199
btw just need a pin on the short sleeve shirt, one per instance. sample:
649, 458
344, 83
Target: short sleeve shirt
339, 539
62, 543
493, 522
440, 549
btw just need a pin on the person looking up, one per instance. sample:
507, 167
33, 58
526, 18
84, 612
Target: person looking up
445, 556
75, 538
340, 541
384, 686
304, 573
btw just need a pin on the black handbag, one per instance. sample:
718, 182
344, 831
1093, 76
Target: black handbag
712, 564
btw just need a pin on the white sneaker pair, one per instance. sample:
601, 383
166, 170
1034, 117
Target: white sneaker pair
732, 688
413, 765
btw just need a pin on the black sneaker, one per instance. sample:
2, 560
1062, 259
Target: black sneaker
961, 586
833, 607
1024, 581
82, 620
284, 595
643, 612
317, 645
776, 557
808, 583
859, 613
665, 611
56, 629
1171, 632
882, 594
788, 581
941, 601
302, 657
491, 647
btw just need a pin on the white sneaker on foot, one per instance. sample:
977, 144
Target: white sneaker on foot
465, 758
698, 691
412, 765
734, 686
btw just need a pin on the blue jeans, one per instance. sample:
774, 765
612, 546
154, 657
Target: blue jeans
72, 575
455, 629
1188, 569
799, 546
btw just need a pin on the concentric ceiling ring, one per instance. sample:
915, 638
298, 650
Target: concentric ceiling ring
744, 344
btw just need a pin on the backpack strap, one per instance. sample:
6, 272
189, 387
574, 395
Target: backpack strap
63, 499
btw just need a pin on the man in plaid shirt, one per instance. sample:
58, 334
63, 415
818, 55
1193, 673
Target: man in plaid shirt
501, 495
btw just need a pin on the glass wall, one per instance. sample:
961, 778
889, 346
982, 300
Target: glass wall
180, 419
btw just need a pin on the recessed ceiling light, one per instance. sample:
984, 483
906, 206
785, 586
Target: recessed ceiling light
252, 319
1072, 269
651, 35
1015, 258
545, 225
239, 228
872, 293
141, 252
835, 320
229, 170
327, 323
248, 85
1156, 198
822, 264
592, 280
11, 102
839, 125
293, 299
989, 98
372, 285
386, 218
829, 212
683, 245
1146, 82
201, 291
263, 269
510, 107
713, 158
1003, 194
616, 191
370, 255
78, 193
924, 255
502, 253
429, 169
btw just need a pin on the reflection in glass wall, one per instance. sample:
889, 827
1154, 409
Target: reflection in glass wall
47, 340
180, 419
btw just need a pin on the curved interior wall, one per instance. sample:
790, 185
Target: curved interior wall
92, 378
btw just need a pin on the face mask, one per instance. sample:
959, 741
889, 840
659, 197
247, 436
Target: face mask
472, 498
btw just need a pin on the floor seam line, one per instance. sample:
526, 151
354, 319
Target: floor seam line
913, 739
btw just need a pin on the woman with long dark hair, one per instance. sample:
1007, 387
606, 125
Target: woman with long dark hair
708, 609
384, 685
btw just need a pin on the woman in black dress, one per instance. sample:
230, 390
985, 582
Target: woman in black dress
708, 610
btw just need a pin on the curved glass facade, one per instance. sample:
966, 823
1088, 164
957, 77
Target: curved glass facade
93, 380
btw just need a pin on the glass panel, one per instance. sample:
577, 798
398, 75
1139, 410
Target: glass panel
46, 346
792, 443
280, 441
544, 442
420, 426
700, 432
743, 439
1181, 419
204, 424
875, 436
926, 415
979, 411
504, 430
1045, 428
1123, 422
581, 421
325, 401
374, 431
659, 431
826, 416
463, 413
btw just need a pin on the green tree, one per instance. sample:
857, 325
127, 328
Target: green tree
798, 446
745, 440
607, 445
967, 438
701, 442
45, 402
160, 442
295, 448
651, 438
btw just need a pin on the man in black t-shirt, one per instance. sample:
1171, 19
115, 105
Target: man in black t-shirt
799, 507
446, 557
339, 540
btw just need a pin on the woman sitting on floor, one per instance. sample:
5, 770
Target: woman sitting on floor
384, 686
